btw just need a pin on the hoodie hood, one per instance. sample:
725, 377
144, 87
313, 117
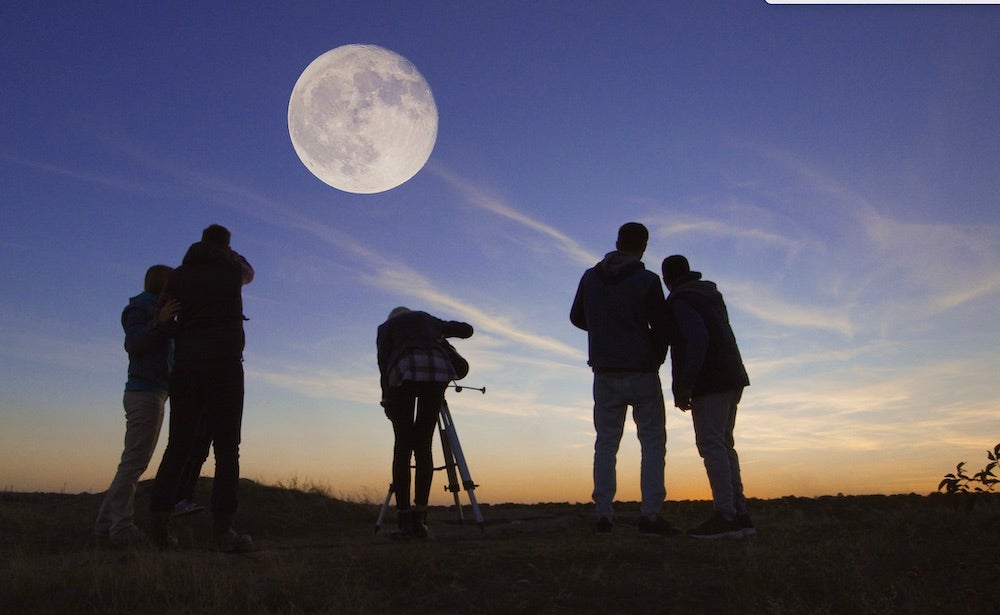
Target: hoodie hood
691, 285
680, 280
617, 266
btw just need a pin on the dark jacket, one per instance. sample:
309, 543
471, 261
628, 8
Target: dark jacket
413, 331
148, 345
703, 352
619, 303
209, 286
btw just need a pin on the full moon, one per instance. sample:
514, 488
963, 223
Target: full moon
362, 119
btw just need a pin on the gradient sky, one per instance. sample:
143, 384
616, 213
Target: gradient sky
835, 170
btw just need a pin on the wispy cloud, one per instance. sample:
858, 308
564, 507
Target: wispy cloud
400, 279
90, 177
721, 229
321, 383
949, 264
482, 199
64, 351
760, 302
939, 265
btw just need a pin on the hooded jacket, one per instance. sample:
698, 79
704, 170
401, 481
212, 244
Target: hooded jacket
147, 344
209, 286
619, 303
703, 352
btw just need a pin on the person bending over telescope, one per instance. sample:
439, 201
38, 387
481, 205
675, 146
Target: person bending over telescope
415, 368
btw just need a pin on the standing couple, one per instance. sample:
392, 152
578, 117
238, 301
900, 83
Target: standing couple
630, 326
184, 337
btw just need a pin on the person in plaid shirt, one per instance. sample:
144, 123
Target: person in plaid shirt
415, 370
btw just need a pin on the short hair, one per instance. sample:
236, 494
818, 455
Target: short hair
632, 236
216, 234
674, 267
156, 278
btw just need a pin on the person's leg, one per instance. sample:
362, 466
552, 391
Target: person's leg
650, 420
739, 500
609, 422
224, 410
185, 407
399, 408
711, 415
185, 410
429, 399
192, 468
143, 418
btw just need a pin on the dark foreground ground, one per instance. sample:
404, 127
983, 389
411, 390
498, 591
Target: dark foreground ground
870, 554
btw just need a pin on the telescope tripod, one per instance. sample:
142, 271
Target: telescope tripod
454, 465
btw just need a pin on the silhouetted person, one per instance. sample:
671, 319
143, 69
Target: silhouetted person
708, 379
620, 306
415, 369
207, 381
147, 341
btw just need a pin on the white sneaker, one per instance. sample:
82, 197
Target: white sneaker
186, 507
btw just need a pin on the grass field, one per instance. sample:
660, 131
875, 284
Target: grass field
319, 554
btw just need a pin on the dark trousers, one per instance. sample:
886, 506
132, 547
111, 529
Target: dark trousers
192, 469
414, 437
206, 396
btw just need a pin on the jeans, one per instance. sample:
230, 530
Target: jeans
613, 393
714, 420
211, 393
143, 418
414, 436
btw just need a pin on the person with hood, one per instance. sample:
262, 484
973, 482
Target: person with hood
207, 382
620, 306
415, 368
708, 379
149, 348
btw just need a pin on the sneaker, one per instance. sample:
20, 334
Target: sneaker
716, 527
130, 536
656, 526
404, 524
419, 528
159, 530
186, 507
604, 526
746, 525
231, 541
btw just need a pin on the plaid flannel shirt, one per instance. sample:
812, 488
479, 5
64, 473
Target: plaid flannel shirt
422, 366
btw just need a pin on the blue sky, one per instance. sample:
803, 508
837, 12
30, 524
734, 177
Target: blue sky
833, 169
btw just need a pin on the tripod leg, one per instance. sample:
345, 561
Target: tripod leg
449, 465
463, 467
385, 507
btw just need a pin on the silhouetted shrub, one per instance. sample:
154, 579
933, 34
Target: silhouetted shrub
970, 489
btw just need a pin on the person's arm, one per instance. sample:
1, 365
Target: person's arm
142, 332
383, 349
577, 315
245, 269
454, 328
694, 337
656, 307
